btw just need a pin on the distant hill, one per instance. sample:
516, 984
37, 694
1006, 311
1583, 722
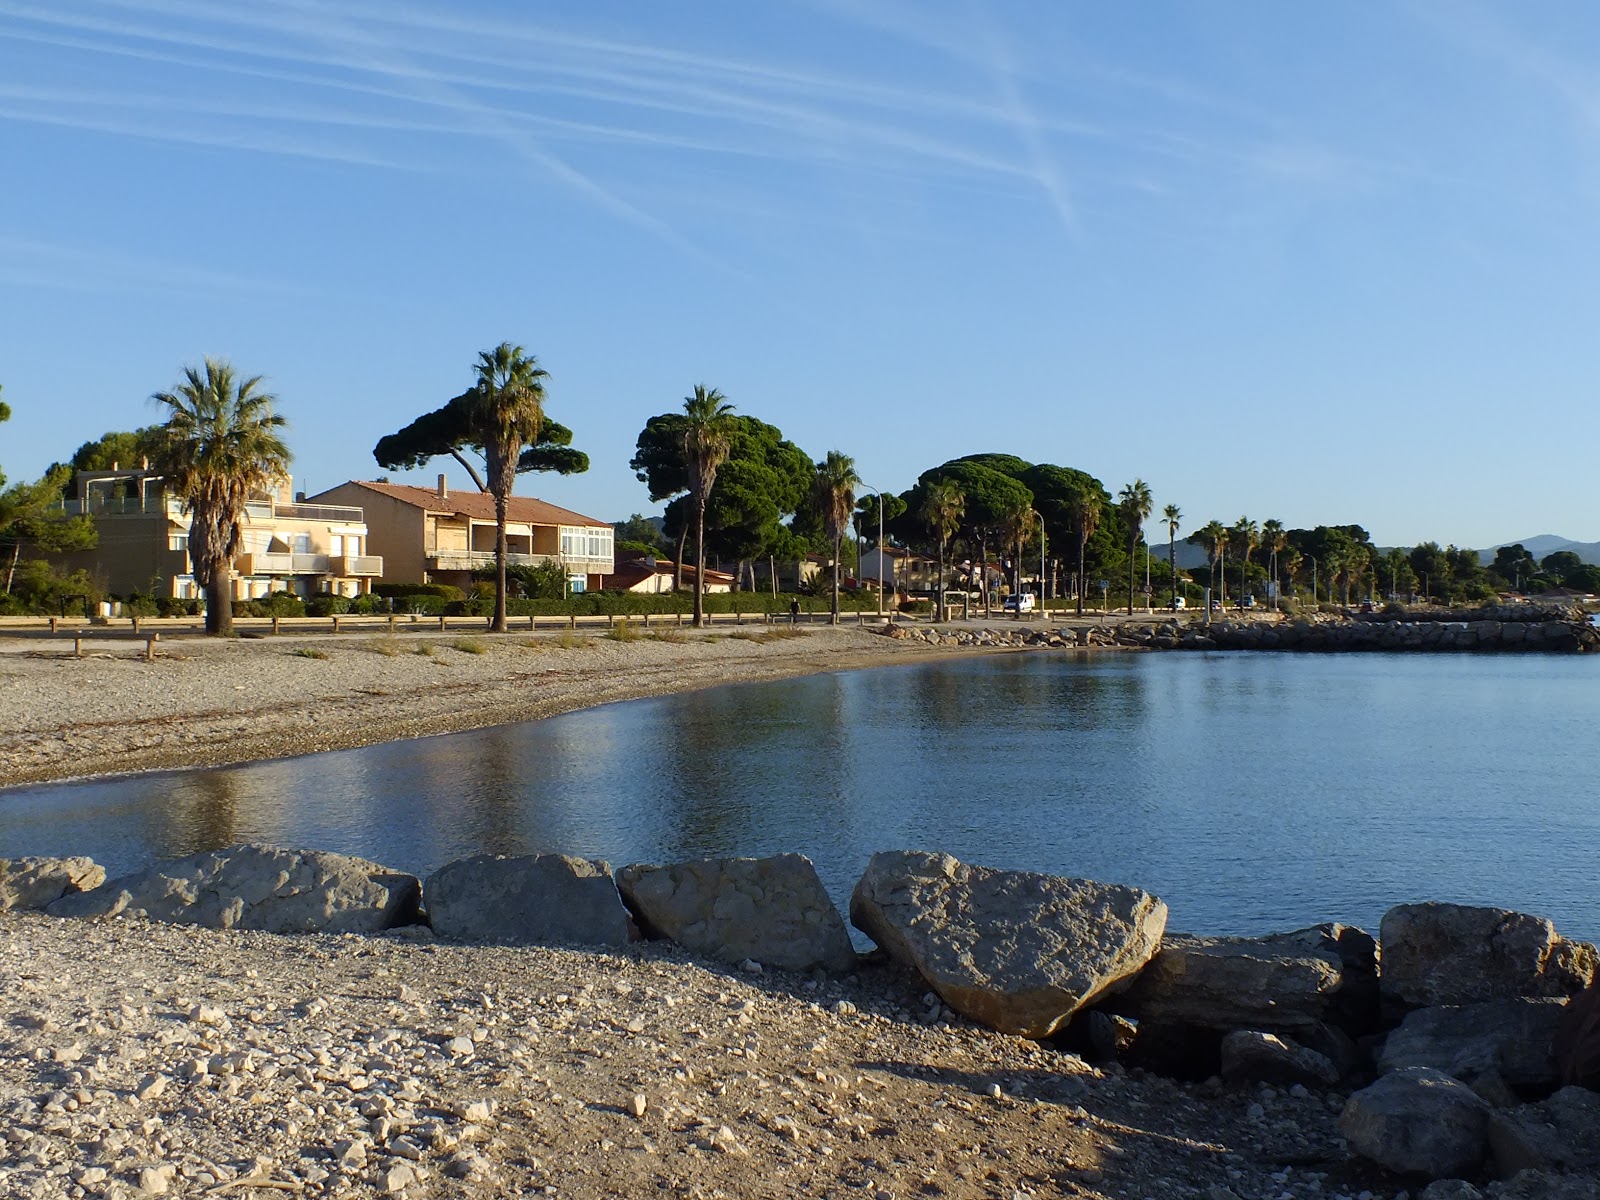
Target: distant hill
1548, 543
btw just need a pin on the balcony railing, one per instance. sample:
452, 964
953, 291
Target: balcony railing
333, 513
348, 566
478, 560
264, 563
121, 506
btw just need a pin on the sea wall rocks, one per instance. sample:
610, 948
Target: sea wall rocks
1418, 1121
1017, 951
1445, 633
40, 882
767, 910
543, 899
260, 888
1460, 954
1283, 982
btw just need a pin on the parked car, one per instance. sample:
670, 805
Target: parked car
1179, 604
1019, 602
1247, 602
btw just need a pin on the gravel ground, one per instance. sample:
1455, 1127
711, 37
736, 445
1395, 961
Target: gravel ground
147, 1059
209, 701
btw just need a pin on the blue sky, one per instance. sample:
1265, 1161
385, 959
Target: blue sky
1314, 262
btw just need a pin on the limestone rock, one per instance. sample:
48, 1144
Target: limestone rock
260, 888
1510, 1038
1285, 981
1561, 1133
770, 910
543, 899
1249, 1056
1539, 1185
1576, 1047
1017, 951
1437, 954
39, 882
1418, 1121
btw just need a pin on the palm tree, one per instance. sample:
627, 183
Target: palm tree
1015, 521
1245, 535
943, 506
1273, 539
1083, 510
507, 413
707, 437
1172, 515
1134, 503
833, 492
1211, 535
221, 444
1224, 535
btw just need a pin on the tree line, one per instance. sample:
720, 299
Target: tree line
737, 491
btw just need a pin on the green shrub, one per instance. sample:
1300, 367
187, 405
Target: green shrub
368, 603
173, 606
140, 605
916, 607
444, 591
327, 605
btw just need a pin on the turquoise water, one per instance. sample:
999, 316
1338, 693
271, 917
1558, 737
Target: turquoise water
1251, 791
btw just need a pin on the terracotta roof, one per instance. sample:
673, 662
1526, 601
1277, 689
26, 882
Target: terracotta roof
480, 505
630, 574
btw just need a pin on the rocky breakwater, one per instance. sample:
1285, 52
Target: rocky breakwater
1458, 1046
1496, 629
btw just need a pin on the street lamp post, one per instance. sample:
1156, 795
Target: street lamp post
1043, 612
879, 547
1313, 559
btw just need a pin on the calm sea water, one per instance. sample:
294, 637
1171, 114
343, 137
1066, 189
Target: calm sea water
1251, 791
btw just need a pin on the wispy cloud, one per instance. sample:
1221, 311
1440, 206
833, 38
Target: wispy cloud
99, 270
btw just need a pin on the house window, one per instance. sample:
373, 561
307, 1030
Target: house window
178, 541
301, 543
335, 544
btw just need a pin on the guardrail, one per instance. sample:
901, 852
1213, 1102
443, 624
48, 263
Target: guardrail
124, 628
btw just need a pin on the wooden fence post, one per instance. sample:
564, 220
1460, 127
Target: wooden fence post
391, 622
274, 624
136, 626
77, 646
572, 620
336, 622
441, 622
150, 647
52, 624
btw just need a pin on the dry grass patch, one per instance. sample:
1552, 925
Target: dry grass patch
765, 637
389, 647
625, 632
469, 645
425, 649
673, 637
569, 639
308, 652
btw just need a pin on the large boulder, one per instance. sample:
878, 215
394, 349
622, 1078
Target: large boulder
1418, 1121
1507, 1038
1017, 951
261, 888
1457, 954
40, 882
1542, 1185
770, 910
1283, 982
1561, 1133
1250, 1056
538, 899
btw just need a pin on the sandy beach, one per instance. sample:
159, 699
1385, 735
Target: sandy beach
210, 702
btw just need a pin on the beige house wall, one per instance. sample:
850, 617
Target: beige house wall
395, 531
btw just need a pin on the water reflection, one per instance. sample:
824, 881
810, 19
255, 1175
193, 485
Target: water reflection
1252, 791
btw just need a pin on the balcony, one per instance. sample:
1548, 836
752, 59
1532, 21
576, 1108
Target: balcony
350, 566
264, 563
480, 560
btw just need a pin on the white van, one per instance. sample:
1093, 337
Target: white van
1019, 602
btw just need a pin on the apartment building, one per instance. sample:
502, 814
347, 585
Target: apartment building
286, 545
436, 535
